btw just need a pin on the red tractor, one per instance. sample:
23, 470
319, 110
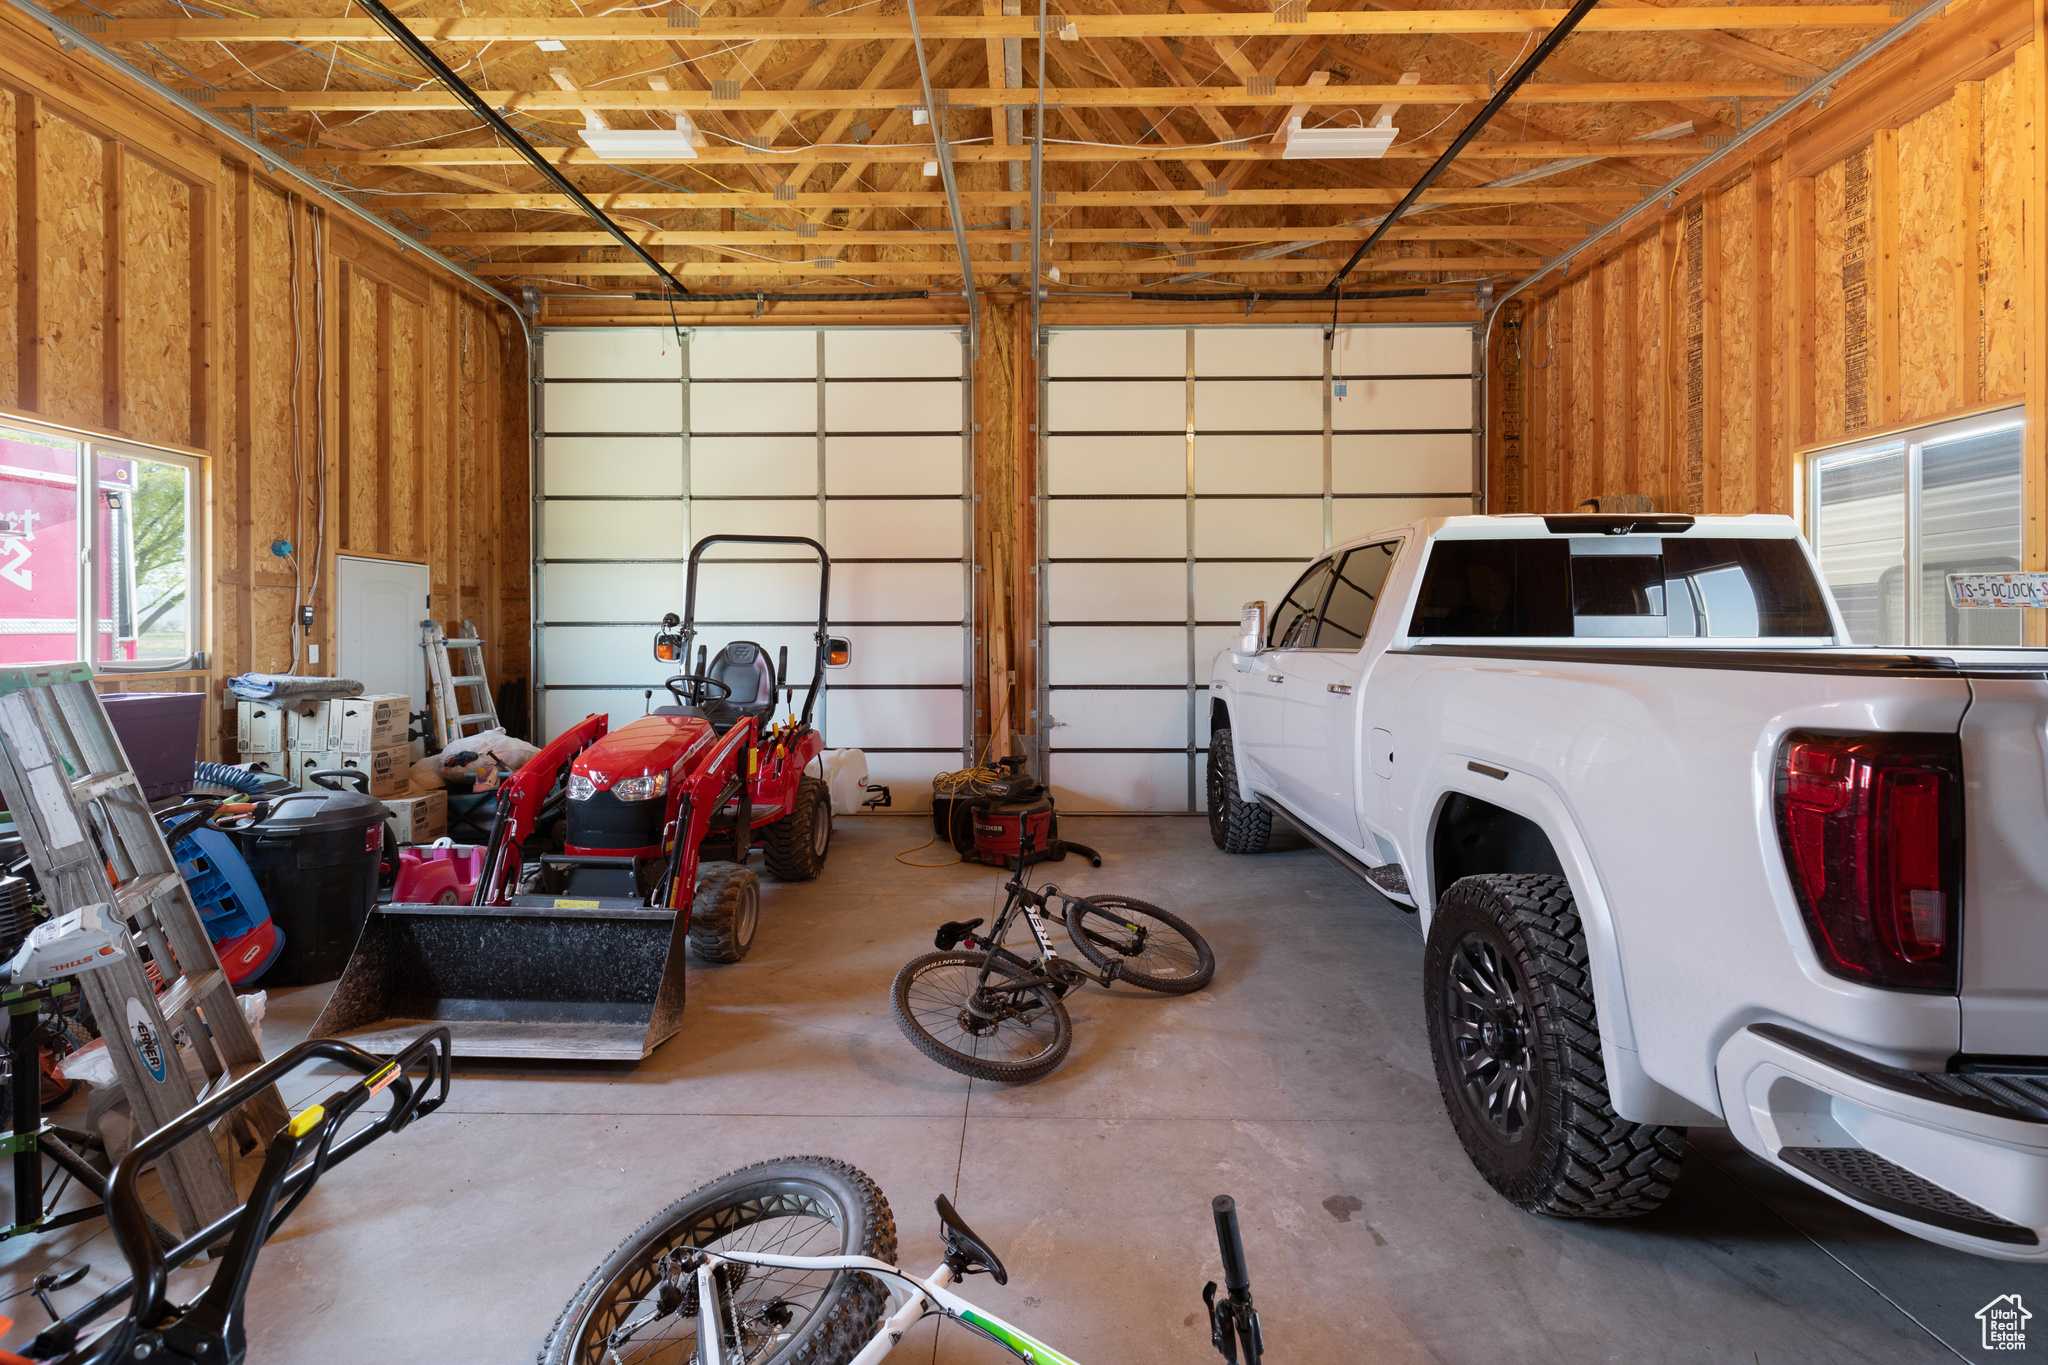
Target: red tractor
578, 953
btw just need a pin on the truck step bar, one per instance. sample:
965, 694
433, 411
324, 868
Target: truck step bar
1864, 1177
1389, 880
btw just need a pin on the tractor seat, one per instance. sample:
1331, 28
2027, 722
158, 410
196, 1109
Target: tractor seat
743, 666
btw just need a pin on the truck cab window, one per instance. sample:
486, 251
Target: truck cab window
1294, 623
1496, 587
1354, 595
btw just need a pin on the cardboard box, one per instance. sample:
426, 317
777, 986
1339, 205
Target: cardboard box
306, 725
390, 769
370, 724
421, 816
259, 728
275, 762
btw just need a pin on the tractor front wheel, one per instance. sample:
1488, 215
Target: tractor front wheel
795, 846
725, 913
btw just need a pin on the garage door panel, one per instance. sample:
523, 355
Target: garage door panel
1087, 719
766, 592
1118, 592
1117, 351
612, 466
896, 592
1259, 351
738, 408
611, 592
1404, 405
606, 530
613, 353
863, 353
734, 466
1138, 406
620, 656
1116, 464
893, 719
1277, 528
1115, 528
755, 518
1354, 517
895, 530
1401, 464
1221, 590
902, 654
868, 465
910, 405
1085, 783
748, 353
1402, 350
1209, 642
636, 408
909, 777
1117, 654
1259, 464
1259, 405
564, 707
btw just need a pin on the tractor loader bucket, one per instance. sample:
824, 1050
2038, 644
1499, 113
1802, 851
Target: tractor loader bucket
586, 984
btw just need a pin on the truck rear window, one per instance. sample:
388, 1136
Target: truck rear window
1628, 586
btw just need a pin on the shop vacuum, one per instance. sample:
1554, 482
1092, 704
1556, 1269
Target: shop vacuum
986, 815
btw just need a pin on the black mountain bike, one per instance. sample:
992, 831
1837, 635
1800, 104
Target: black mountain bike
989, 1013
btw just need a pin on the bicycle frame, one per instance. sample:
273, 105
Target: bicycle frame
922, 1296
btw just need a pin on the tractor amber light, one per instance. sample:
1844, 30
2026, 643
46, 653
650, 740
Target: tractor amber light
1871, 829
640, 788
581, 788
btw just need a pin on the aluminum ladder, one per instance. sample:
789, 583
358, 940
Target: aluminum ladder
453, 665
91, 839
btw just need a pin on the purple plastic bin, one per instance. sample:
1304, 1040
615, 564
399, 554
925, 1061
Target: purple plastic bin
160, 731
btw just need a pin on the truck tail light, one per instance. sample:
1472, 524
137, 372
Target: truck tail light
1871, 828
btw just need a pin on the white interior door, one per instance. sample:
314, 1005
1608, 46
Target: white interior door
379, 605
1188, 470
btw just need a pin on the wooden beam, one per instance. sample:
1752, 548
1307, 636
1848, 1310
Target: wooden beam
1260, 236
1884, 206
1799, 305
1113, 97
28, 251
978, 27
944, 268
114, 246
1966, 128
1520, 194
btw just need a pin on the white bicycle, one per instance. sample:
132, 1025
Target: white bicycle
796, 1260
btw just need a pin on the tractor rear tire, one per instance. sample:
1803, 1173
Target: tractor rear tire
725, 913
795, 846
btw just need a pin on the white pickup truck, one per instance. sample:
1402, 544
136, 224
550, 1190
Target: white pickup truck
1682, 856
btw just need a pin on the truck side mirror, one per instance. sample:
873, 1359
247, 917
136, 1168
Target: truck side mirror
838, 651
1251, 634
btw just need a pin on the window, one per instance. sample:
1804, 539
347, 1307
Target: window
1348, 616
1943, 499
1293, 623
1630, 586
111, 525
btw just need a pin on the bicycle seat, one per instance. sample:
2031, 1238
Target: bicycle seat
966, 1254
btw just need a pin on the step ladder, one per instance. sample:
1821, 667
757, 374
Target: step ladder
91, 839
452, 666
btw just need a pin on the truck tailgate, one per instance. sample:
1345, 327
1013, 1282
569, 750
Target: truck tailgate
2005, 877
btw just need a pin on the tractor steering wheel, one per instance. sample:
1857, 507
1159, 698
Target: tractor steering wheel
696, 683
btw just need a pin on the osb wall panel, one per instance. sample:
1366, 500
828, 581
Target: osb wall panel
10, 238
71, 204
1736, 325
402, 370
2001, 240
1930, 236
156, 309
1644, 368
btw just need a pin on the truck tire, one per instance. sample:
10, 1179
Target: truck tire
829, 1207
795, 846
1237, 825
725, 912
1509, 999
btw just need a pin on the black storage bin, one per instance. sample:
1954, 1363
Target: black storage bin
315, 856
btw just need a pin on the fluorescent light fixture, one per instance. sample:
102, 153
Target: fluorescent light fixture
1336, 143
641, 144
552, 45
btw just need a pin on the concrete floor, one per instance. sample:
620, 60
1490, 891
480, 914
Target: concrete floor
1299, 1082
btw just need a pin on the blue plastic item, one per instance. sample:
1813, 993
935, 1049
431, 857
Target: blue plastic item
221, 775
230, 902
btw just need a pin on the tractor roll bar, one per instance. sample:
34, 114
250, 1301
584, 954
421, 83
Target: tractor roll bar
824, 603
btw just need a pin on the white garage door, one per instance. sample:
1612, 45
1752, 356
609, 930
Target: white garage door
1187, 471
857, 439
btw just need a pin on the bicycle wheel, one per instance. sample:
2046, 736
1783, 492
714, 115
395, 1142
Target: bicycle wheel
639, 1308
997, 1032
1141, 943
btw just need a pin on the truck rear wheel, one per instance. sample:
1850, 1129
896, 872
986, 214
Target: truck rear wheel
1237, 825
1509, 998
725, 912
795, 846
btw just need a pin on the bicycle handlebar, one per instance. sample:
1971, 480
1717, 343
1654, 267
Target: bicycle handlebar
1233, 1321
252, 1224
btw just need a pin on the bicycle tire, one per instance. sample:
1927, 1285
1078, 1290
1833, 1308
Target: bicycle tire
844, 1314
917, 988
1191, 962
